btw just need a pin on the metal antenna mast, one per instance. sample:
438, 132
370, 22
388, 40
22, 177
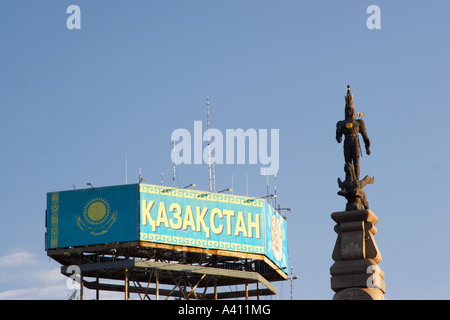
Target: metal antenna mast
209, 146
275, 200
214, 173
246, 184
174, 164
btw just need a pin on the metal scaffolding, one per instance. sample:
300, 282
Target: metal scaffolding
170, 272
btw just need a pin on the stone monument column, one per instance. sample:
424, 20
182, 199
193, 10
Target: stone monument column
355, 274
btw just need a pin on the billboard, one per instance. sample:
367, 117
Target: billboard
92, 216
158, 214
212, 221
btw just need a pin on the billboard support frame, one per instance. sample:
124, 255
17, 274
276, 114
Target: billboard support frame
203, 277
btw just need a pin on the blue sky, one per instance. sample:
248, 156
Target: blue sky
75, 102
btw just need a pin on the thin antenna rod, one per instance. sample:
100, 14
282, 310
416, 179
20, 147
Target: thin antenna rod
246, 184
232, 182
209, 145
275, 192
174, 164
214, 174
265, 184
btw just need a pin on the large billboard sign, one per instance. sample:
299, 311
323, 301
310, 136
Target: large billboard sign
92, 216
158, 214
212, 221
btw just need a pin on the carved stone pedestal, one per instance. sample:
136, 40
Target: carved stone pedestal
355, 275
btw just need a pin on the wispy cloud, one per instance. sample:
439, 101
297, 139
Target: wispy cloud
28, 276
17, 259
25, 275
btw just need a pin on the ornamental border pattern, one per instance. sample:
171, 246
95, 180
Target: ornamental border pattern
203, 243
201, 195
54, 220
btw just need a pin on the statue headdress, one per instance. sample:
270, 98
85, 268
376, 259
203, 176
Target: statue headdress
349, 109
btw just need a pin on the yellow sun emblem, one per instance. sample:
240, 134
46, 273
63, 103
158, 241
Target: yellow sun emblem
96, 217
